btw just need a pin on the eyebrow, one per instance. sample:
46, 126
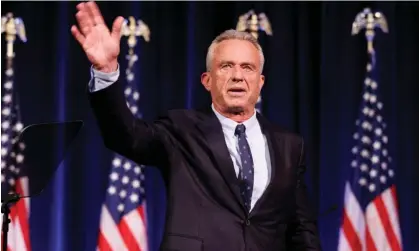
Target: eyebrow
231, 62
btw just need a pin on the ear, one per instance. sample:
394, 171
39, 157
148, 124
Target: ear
205, 80
261, 82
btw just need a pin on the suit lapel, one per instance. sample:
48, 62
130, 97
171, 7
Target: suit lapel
275, 159
211, 128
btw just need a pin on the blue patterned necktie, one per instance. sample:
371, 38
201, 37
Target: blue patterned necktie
246, 172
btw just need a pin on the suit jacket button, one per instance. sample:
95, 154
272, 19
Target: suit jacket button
247, 222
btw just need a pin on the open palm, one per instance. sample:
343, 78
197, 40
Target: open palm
100, 45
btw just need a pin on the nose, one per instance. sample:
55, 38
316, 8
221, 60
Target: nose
237, 74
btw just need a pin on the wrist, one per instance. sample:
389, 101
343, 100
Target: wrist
108, 68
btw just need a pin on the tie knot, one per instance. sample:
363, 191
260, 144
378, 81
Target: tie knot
240, 129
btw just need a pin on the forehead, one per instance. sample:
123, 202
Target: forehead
236, 50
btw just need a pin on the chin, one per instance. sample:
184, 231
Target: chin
235, 109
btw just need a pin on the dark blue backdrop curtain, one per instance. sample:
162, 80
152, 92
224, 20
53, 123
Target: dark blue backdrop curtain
314, 74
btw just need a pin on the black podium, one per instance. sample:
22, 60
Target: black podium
45, 146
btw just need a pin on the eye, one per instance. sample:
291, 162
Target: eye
247, 67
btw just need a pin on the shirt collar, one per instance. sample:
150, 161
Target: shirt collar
229, 125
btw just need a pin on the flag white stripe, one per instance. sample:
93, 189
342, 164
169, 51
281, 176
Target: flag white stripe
110, 231
16, 241
390, 205
355, 213
376, 228
145, 233
19, 239
343, 244
11, 242
24, 183
137, 227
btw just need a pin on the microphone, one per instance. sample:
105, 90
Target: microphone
10, 198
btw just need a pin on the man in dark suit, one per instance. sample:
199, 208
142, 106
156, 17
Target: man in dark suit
235, 181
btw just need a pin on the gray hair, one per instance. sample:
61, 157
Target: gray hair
234, 34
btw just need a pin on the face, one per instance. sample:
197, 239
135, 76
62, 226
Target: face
234, 80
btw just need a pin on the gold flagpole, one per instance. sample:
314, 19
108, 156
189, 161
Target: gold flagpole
133, 29
12, 27
369, 20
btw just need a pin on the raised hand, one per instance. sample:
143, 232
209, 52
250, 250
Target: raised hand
100, 45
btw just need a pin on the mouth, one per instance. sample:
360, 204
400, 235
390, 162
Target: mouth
236, 91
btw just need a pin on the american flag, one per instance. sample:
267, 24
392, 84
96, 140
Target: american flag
13, 177
123, 217
370, 216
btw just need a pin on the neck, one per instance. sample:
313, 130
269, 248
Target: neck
237, 115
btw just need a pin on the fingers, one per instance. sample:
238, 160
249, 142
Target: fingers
77, 34
116, 28
84, 19
94, 13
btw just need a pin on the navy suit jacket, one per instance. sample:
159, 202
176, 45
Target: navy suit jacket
204, 209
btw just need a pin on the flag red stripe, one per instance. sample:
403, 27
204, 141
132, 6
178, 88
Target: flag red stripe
141, 212
103, 244
351, 235
12, 214
127, 236
394, 195
23, 214
15, 214
369, 241
388, 228
23, 222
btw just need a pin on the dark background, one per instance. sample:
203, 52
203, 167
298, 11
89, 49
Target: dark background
314, 75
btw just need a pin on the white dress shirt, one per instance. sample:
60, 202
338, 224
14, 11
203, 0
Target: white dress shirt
256, 139
258, 146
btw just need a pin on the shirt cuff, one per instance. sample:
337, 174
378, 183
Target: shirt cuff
101, 80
